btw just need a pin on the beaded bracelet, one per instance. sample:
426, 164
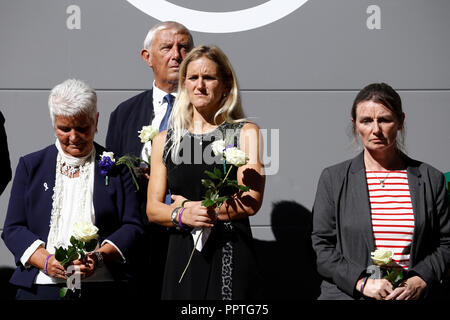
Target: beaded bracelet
46, 262
179, 219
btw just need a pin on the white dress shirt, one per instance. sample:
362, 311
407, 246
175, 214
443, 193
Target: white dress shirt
159, 109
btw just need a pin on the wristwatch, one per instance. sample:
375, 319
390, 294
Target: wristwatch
99, 258
173, 217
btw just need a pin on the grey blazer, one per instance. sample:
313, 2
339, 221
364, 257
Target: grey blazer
342, 234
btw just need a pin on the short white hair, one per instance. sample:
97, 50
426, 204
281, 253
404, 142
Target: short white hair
71, 98
165, 25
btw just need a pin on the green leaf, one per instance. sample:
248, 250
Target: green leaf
214, 196
243, 188
211, 194
65, 261
72, 253
130, 162
81, 245
63, 292
60, 254
395, 276
208, 203
211, 175
221, 200
232, 183
208, 183
73, 241
218, 173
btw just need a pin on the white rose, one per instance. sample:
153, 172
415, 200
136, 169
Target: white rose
84, 231
108, 154
236, 157
381, 257
217, 147
147, 133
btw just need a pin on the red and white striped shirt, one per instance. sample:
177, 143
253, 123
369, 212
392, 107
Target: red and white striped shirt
392, 213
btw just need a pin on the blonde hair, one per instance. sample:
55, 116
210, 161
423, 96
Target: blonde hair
231, 108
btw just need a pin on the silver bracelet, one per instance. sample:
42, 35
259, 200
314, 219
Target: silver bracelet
173, 217
99, 257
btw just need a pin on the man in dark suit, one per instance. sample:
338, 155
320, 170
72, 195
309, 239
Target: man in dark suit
165, 46
4, 157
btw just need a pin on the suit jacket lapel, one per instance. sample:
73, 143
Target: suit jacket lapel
360, 200
99, 183
417, 191
144, 118
49, 175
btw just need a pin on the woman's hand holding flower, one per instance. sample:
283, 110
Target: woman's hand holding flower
410, 289
197, 216
85, 267
376, 288
55, 269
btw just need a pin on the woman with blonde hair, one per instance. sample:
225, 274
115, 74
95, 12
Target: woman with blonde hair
207, 109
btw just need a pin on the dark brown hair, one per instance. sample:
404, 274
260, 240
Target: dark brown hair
380, 93
384, 94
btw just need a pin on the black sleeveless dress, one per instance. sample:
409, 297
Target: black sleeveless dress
225, 269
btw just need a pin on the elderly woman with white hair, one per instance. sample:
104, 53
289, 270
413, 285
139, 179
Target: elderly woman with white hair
64, 185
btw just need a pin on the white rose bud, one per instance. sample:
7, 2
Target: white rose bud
236, 157
217, 147
147, 133
108, 154
381, 257
85, 231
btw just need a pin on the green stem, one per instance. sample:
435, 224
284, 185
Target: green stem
224, 179
190, 258
193, 250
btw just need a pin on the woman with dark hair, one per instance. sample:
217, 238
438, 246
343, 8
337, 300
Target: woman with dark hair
380, 200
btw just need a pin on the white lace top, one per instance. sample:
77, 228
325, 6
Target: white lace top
72, 202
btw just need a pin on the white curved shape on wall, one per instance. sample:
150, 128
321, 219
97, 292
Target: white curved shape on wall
219, 22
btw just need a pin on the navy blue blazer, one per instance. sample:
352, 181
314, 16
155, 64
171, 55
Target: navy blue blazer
30, 205
5, 163
125, 122
342, 233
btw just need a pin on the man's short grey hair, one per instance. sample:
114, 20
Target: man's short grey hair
166, 25
72, 98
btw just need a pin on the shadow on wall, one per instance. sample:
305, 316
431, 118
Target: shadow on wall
8, 291
287, 265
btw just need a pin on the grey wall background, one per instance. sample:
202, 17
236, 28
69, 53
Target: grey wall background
298, 74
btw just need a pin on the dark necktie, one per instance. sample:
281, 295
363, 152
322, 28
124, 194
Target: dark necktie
163, 126
169, 98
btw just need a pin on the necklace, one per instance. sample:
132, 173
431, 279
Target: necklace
69, 166
69, 170
382, 180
